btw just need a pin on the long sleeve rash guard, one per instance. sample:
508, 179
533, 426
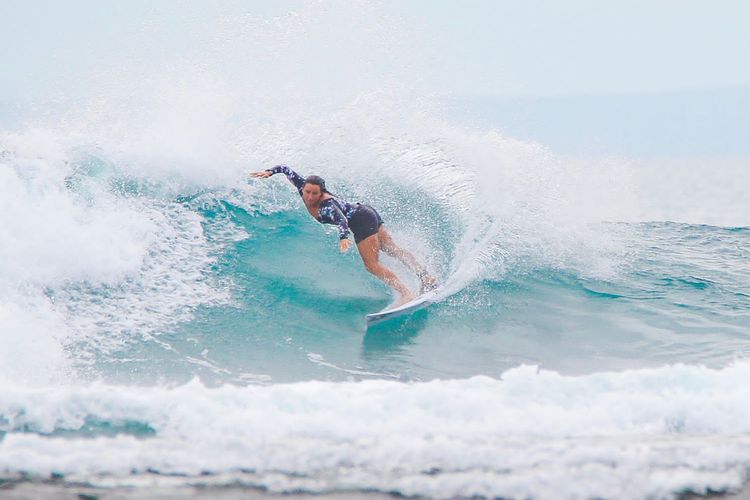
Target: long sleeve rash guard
332, 211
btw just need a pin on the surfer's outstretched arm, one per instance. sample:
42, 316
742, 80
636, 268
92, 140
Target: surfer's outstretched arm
293, 176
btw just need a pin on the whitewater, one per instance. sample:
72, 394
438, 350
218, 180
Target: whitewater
168, 322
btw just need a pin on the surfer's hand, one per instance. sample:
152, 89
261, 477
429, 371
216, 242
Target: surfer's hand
344, 245
263, 174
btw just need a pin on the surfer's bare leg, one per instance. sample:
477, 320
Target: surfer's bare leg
389, 246
369, 250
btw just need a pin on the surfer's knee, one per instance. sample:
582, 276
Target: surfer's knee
384, 238
389, 246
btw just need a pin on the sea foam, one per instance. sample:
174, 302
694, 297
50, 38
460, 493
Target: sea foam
638, 433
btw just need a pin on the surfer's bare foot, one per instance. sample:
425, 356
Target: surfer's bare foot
406, 297
429, 282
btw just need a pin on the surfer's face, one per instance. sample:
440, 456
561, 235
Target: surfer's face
311, 193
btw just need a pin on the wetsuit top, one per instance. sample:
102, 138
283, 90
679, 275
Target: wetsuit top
332, 211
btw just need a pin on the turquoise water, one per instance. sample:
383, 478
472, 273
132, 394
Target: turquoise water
168, 322
297, 311
165, 329
175, 321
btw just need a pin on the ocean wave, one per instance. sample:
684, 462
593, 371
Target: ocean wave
155, 301
531, 433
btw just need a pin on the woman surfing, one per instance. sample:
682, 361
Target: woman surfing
364, 222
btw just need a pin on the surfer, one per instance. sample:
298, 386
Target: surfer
363, 221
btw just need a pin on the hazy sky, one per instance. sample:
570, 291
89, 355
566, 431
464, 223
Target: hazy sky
553, 47
475, 47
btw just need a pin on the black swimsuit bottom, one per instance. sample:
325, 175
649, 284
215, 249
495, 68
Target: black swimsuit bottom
364, 222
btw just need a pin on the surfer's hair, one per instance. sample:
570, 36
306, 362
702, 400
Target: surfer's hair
317, 181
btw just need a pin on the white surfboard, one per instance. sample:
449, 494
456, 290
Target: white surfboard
420, 302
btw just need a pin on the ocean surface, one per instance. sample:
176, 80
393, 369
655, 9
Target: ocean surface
168, 323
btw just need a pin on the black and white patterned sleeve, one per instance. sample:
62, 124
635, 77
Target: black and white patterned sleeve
293, 176
331, 214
